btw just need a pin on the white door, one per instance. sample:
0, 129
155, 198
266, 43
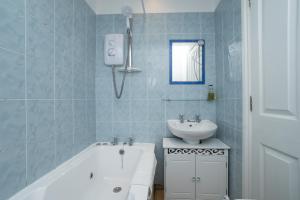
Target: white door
211, 176
180, 177
275, 87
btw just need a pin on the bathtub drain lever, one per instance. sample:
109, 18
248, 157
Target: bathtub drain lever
122, 152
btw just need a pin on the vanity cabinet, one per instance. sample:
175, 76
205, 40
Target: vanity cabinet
195, 172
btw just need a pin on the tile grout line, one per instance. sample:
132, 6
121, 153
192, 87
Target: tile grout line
72, 71
94, 81
112, 94
86, 71
12, 51
51, 99
223, 64
54, 82
25, 88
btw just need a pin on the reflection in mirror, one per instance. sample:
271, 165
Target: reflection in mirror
187, 62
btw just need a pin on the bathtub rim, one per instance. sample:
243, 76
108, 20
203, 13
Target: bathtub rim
47, 179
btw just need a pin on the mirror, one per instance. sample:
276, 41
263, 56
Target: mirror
187, 61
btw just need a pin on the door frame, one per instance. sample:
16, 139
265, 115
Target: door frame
246, 74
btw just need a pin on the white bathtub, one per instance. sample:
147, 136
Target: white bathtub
95, 172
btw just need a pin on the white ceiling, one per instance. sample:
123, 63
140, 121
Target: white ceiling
153, 6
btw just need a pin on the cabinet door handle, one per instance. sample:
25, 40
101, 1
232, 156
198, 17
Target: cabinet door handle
194, 179
198, 179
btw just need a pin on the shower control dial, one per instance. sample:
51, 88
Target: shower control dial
111, 43
111, 52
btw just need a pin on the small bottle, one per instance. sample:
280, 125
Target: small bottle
211, 93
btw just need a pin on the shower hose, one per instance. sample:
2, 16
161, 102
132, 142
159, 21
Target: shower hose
129, 40
119, 94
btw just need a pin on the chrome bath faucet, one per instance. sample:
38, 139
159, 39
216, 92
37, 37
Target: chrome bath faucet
181, 118
115, 141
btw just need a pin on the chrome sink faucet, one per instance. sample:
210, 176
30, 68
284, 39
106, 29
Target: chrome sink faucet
197, 118
181, 118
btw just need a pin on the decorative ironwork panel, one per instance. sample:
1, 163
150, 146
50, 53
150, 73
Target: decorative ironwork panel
205, 152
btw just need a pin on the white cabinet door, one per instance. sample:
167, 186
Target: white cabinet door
211, 175
275, 87
179, 173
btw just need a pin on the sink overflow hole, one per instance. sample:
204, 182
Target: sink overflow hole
91, 175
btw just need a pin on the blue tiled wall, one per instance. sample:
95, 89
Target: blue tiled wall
49, 96
229, 88
141, 113
47, 93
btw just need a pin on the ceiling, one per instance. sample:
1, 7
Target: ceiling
153, 6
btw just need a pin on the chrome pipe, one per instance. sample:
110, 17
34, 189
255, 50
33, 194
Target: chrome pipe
129, 34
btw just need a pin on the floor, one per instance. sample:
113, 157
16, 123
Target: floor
158, 192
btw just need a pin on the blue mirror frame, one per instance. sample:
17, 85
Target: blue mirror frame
202, 82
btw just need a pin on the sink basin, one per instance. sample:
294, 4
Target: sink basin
192, 132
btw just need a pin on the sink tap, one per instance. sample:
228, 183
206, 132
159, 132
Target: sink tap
130, 141
115, 141
197, 118
181, 118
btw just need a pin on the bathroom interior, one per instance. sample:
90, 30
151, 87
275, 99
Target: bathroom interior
149, 99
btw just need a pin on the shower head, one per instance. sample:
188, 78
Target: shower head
127, 11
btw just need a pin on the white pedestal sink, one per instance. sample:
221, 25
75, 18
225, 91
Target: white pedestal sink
192, 132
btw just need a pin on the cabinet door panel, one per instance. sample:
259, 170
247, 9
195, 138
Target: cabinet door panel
213, 179
209, 197
180, 170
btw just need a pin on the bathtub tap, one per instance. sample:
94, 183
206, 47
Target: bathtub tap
130, 141
115, 141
